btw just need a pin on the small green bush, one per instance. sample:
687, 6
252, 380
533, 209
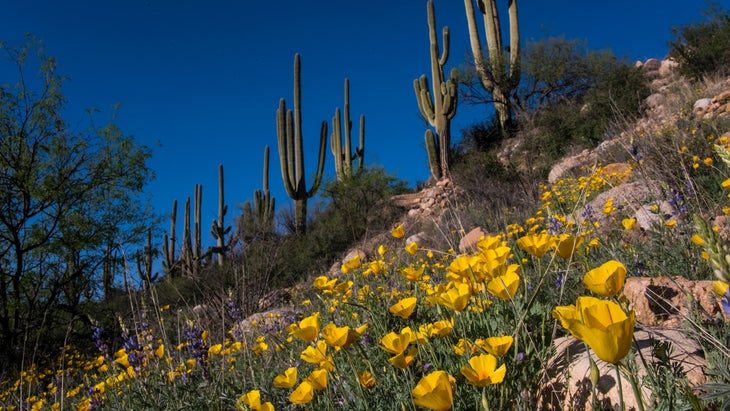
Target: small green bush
703, 49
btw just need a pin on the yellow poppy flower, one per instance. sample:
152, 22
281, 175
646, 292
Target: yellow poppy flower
287, 379
497, 346
351, 264
160, 351
413, 274
366, 379
307, 329
670, 224
435, 391
252, 399
382, 250
483, 371
215, 349
412, 248
606, 280
566, 244
325, 284
697, 240
398, 232
628, 223
456, 297
505, 286
535, 244
302, 394
404, 308
318, 379
437, 329
720, 288
465, 347
318, 356
601, 324
334, 335
354, 334
404, 359
397, 343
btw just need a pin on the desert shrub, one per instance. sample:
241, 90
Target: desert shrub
348, 212
703, 49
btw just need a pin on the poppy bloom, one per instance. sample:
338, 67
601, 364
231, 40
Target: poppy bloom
302, 394
412, 248
318, 379
566, 244
606, 280
287, 379
404, 308
366, 379
456, 298
483, 371
505, 286
318, 356
535, 244
601, 324
435, 391
398, 232
307, 329
497, 346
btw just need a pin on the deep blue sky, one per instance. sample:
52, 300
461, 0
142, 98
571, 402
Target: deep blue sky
199, 82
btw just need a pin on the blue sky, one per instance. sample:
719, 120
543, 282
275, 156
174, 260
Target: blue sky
199, 82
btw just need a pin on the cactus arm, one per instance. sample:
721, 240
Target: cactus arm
284, 137
320, 161
360, 151
336, 145
347, 158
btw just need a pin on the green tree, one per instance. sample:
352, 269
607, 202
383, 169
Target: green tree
703, 48
69, 204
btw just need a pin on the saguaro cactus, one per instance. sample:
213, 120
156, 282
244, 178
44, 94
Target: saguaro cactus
440, 107
191, 253
291, 154
218, 230
261, 215
491, 73
343, 156
264, 204
168, 244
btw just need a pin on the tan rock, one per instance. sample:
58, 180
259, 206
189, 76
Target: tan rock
666, 301
568, 385
468, 243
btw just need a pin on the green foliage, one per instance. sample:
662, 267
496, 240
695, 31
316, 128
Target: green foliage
71, 203
703, 49
615, 94
354, 209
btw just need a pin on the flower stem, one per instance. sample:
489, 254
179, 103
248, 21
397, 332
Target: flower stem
620, 388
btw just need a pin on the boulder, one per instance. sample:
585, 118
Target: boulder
666, 301
567, 384
468, 243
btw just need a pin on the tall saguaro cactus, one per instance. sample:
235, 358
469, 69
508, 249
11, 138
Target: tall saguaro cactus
440, 107
264, 204
218, 230
291, 153
343, 155
260, 217
168, 244
491, 72
191, 254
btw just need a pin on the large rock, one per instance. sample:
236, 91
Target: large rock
667, 301
567, 385
468, 243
